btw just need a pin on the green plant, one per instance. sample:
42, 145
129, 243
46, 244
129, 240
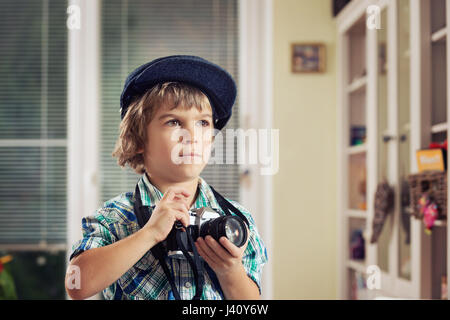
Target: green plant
7, 287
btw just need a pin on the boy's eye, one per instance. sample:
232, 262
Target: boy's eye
204, 123
173, 122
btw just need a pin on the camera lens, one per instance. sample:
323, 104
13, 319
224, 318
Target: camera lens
234, 231
231, 227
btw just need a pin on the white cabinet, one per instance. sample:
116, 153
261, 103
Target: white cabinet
392, 101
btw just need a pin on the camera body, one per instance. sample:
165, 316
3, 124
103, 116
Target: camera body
206, 221
197, 217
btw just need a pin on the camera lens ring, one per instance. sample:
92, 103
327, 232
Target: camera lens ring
217, 228
241, 229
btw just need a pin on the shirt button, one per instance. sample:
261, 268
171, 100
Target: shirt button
187, 284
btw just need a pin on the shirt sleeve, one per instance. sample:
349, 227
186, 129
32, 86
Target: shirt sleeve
96, 233
255, 255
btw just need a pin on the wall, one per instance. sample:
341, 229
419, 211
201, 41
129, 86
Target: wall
305, 213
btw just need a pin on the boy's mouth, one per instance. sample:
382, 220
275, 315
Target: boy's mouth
191, 155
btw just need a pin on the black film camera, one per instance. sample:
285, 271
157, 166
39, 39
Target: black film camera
206, 221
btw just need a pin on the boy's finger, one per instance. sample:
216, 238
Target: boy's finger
231, 248
180, 191
183, 201
171, 192
208, 251
217, 248
183, 217
179, 206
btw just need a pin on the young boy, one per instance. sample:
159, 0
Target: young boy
170, 108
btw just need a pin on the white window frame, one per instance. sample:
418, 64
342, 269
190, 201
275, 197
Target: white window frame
83, 118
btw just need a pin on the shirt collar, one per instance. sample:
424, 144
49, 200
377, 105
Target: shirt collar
151, 195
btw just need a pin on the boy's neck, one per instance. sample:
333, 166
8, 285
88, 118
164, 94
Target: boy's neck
191, 186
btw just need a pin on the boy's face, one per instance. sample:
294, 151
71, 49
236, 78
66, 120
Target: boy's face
178, 143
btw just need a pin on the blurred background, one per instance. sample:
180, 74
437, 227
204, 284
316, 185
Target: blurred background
355, 89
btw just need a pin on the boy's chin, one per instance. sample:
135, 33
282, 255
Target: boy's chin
188, 170
190, 163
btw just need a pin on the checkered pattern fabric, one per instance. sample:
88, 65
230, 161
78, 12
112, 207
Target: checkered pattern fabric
146, 279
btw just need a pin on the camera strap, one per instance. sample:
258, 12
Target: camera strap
184, 240
225, 204
195, 263
143, 215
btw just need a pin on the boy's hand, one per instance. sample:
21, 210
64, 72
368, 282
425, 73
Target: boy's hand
223, 256
172, 207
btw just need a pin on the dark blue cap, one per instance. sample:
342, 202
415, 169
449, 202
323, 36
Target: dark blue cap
215, 82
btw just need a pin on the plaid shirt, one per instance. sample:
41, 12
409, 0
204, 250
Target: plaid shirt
146, 279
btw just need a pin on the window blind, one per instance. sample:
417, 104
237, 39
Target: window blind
138, 31
33, 54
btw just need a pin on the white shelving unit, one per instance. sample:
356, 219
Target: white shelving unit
357, 149
357, 84
393, 99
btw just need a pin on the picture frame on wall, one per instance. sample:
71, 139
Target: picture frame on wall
308, 57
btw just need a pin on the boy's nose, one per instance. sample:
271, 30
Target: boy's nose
192, 133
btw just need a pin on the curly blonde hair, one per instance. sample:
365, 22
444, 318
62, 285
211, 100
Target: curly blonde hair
133, 128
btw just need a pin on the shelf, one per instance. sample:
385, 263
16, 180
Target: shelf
440, 127
360, 214
357, 265
357, 84
440, 223
357, 149
439, 35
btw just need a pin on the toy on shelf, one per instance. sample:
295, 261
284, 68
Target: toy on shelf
428, 208
437, 145
357, 135
434, 185
357, 247
443, 147
362, 204
428, 188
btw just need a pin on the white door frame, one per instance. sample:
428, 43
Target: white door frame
256, 108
